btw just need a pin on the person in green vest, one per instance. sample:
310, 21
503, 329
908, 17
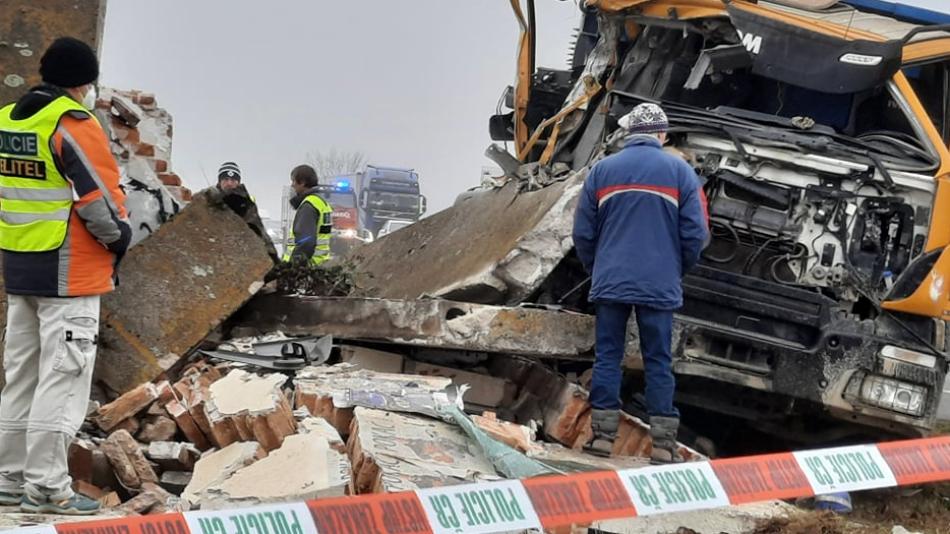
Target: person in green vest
309, 240
63, 230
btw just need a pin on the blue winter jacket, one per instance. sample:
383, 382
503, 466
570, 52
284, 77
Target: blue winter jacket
641, 223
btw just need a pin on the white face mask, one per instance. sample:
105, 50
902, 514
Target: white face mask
89, 99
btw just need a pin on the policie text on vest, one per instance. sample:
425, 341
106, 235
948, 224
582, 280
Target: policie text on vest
20, 144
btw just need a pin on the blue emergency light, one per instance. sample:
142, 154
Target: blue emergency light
343, 184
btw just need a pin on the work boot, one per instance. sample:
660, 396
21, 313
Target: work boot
663, 431
604, 424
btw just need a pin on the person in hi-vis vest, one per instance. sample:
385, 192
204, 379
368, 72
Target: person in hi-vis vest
309, 240
63, 230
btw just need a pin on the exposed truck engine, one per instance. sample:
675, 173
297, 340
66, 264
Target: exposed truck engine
821, 137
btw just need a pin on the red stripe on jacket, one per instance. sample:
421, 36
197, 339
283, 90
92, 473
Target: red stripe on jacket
671, 191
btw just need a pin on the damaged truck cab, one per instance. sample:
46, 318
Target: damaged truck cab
819, 310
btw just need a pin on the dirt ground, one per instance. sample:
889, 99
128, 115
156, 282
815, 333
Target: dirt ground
919, 509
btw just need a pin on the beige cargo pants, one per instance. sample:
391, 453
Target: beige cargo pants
48, 360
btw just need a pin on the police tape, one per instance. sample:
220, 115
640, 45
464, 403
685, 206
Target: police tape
558, 501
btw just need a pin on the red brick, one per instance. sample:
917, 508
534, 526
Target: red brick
157, 428
187, 424
159, 165
129, 404
170, 178
80, 460
145, 149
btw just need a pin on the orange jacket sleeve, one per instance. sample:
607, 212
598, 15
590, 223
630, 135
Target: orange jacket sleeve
86, 161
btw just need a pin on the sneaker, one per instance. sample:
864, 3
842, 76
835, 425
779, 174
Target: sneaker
75, 505
10, 499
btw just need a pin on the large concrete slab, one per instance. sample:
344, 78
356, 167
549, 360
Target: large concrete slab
495, 247
175, 287
431, 323
27, 27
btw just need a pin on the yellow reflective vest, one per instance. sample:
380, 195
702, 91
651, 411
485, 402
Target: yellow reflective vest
35, 199
324, 230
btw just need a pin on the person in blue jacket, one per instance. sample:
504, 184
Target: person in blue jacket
640, 224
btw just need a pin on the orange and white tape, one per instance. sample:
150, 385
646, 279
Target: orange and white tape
556, 501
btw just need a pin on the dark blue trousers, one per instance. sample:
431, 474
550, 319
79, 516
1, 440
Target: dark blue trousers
656, 339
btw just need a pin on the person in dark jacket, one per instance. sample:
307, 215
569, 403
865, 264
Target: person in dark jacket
309, 240
641, 223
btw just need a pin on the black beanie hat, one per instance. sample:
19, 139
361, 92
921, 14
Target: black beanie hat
69, 63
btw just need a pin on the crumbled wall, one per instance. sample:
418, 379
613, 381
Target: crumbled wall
141, 137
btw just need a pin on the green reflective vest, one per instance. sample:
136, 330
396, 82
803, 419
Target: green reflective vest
324, 229
35, 199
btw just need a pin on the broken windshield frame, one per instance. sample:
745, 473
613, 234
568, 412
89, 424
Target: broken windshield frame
922, 158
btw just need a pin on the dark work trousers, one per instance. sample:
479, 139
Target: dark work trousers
656, 338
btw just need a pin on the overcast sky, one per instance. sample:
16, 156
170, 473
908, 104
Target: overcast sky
410, 83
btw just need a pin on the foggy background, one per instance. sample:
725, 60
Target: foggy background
409, 83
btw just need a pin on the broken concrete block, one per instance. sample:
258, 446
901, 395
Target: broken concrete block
396, 452
371, 359
130, 465
175, 482
430, 323
187, 425
157, 428
516, 436
332, 392
304, 467
322, 428
171, 456
484, 391
218, 466
567, 417
519, 239
177, 285
247, 407
126, 406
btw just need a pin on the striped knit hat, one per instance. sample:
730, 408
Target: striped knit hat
645, 119
229, 169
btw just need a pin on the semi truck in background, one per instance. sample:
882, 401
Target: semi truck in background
389, 198
367, 204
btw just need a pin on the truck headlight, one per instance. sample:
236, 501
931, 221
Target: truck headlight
349, 233
892, 394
